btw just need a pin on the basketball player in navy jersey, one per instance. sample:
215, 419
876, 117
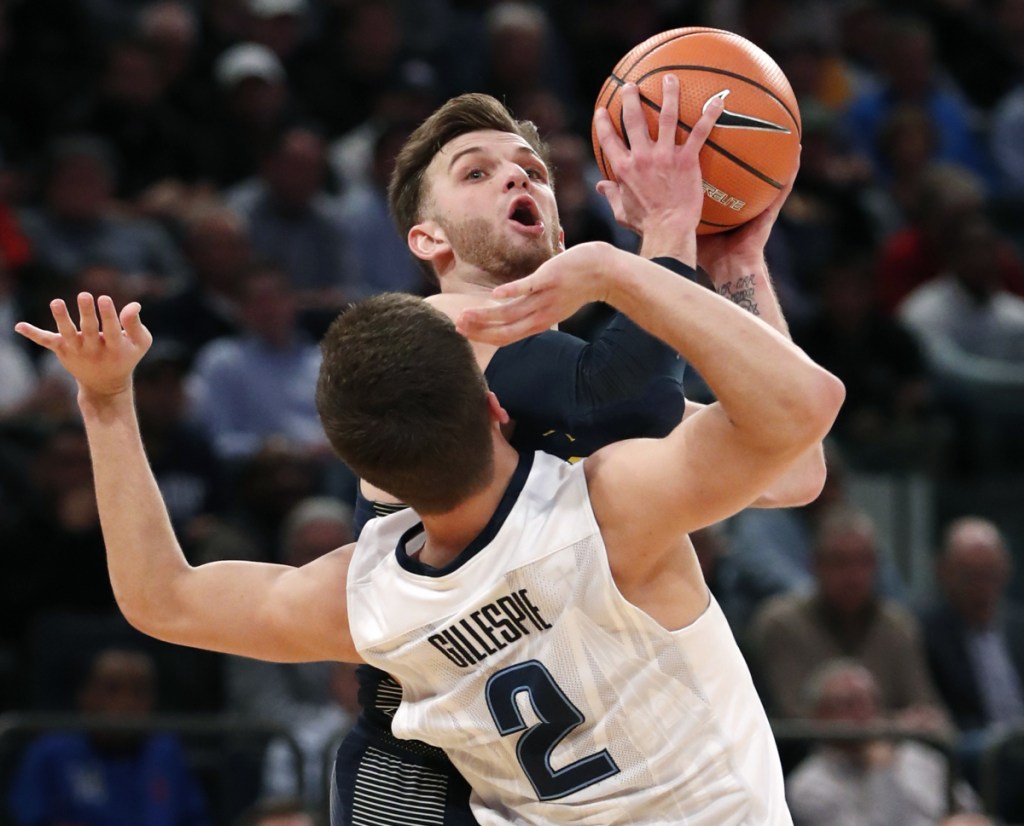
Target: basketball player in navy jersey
593, 576
473, 194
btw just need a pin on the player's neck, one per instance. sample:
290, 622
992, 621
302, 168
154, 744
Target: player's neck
449, 533
466, 278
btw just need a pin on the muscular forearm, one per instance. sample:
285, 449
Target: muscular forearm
143, 555
748, 285
767, 385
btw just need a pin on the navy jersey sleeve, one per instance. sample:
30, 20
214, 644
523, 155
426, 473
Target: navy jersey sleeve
624, 383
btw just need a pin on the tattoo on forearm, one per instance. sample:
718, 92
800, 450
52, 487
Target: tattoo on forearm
741, 291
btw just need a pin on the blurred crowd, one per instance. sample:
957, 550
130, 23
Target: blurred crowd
225, 163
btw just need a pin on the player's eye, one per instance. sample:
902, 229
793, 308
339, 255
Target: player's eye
474, 174
536, 173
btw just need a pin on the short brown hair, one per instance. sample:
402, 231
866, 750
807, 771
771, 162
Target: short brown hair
471, 112
403, 402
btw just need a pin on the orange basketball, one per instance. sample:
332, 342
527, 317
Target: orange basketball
753, 149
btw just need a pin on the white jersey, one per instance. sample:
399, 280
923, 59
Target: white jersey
558, 700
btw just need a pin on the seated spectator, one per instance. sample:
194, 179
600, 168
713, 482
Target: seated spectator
947, 197
912, 75
255, 104
190, 477
268, 484
843, 616
883, 422
109, 777
974, 638
381, 254
973, 635
296, 223
217, 246
151, 140
278, 811
772, 549
60, 563
314, 701
18, 379
252, 387
76, 224
869, 781
972, 333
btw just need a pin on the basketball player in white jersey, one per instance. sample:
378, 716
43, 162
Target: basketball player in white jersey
548, 622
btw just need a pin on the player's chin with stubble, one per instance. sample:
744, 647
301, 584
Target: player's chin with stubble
506, 257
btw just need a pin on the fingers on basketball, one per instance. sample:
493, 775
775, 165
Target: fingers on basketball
752, 151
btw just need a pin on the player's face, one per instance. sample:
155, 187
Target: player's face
492, 197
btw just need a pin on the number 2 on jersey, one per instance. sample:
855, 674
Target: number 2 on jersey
558, 716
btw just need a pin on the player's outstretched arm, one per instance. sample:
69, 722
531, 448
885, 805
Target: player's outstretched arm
269, 612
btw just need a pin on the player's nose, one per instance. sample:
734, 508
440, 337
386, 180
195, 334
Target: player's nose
516, 176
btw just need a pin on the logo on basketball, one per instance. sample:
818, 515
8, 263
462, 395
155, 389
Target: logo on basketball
737, 120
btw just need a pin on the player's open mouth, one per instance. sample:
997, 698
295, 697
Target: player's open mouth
525, 217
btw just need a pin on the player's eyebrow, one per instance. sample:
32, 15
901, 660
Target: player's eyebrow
462, 153
520, 150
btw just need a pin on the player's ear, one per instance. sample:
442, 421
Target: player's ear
498, 413
428, 241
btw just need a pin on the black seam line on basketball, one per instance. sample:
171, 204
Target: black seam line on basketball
724, 152
657, 46
636, 62
727, 73
713, 224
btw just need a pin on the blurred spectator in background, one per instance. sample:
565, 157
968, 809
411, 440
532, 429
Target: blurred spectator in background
255, 106
56, 559
259, 385
268, 485
151, 141
964, 30
280, 25
974, 637
314, 701
78, 222
908, 144
844, 616
109, 778
48, 56
216, 243
884, 420
772, 548
357, 54
522, 54
296, 223
408, 99
947, 197
18, 379
170, 30
972, 333
190, 478
277, 811
835, 205
381, 255
910, 75
876, 782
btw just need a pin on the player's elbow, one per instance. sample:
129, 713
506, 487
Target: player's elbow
813, 408
150, 610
